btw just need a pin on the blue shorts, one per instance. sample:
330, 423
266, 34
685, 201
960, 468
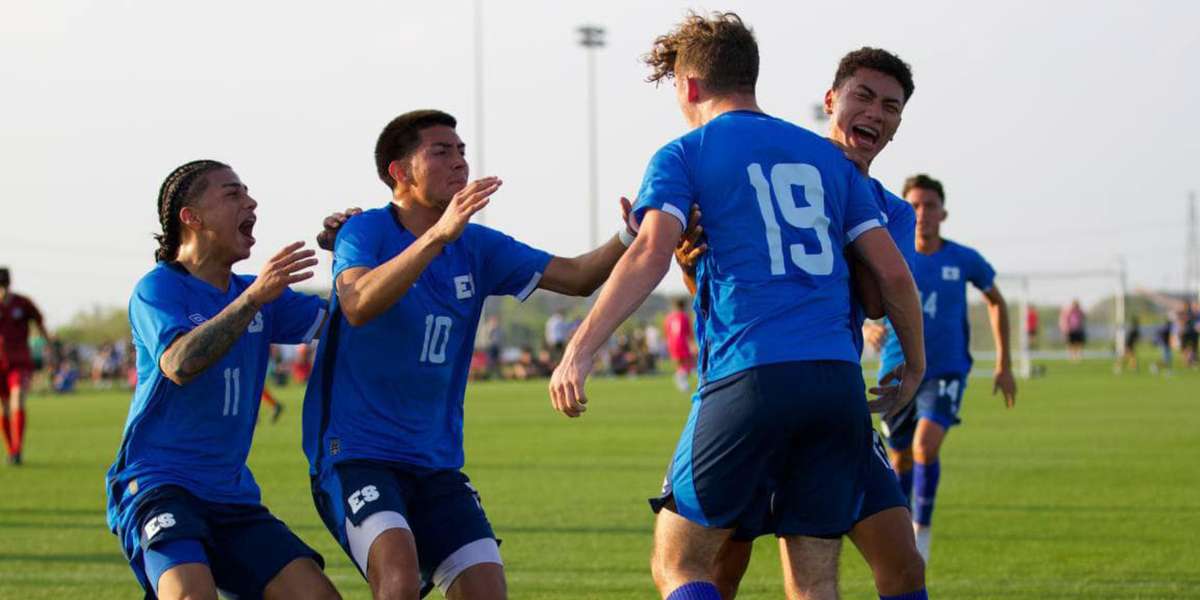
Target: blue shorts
443, 511
782, 448
938, 399
243, 544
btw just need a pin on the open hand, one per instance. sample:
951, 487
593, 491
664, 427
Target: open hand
468, 201
289, 265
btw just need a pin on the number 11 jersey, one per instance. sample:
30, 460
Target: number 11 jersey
779, 204
392, 389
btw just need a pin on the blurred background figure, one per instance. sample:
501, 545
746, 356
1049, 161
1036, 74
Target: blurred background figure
1072, 323
678, 329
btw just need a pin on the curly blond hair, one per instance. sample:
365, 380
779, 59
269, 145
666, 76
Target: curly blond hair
719, 49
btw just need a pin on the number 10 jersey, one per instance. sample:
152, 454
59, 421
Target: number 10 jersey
779, 205
392, 389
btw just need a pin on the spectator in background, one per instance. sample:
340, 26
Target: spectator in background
1128, 359
1189, 334
302, 365
493, 339
678, 328
556, 332
1162, 337
1031, 326
1072, 323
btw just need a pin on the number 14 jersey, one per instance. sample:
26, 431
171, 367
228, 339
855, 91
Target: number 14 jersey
392, 389
779, 205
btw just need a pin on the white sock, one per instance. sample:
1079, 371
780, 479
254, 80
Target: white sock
924, 537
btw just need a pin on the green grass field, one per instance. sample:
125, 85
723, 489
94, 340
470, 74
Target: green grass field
1090, 488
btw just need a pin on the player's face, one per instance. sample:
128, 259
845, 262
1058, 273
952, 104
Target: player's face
865, 111
226, 216
930, 211
438, 167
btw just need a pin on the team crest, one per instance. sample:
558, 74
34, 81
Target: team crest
256, 325
464, 286
197, 318
950, 273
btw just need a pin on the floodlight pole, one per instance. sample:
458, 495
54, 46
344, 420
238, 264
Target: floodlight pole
478, 143
592, 38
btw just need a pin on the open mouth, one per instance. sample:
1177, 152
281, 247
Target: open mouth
246, 228
865, 134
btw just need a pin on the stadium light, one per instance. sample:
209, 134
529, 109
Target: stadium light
591, 38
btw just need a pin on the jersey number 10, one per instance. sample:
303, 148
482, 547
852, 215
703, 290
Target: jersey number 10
784, 177
437, 335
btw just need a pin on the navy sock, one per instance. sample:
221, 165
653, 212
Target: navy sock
906, 483
917, 595
696, 590
925, 483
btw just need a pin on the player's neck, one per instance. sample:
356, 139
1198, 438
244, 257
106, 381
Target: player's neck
415, 216
206, 267
719, 105
929, 245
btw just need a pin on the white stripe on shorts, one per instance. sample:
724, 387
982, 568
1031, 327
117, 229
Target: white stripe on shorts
478, 552
364, 535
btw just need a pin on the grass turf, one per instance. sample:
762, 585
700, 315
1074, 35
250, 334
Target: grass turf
1090, 488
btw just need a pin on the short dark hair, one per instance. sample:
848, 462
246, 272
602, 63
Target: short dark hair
5, 278
924, 182
402, 136
680, 302
186, 183
719, 49
877, 59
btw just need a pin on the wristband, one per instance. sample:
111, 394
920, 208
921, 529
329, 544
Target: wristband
625, 237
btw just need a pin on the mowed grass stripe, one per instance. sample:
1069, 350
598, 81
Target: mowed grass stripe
1089, 488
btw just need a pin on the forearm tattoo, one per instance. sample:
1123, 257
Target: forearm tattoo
191, 354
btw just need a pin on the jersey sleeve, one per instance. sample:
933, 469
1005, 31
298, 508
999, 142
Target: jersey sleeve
862, 206
980, 272
667, 185
509, 267
357, 245
31, 311
296, 317
157, 314
902, 224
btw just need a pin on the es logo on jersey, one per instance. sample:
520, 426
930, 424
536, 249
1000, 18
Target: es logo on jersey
950, 273
464, 286
157, 524
360, 498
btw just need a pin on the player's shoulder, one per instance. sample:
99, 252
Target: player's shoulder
163, 277
371, 219
962, 252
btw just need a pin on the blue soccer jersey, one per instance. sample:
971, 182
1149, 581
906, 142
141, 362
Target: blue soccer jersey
198, 435
942, 280
779, 204
901, 222
392, 389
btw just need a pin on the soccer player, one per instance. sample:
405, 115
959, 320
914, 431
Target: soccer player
383, 413
942, 269
16, 363
679, 343
870, 90
181, 499
780, 417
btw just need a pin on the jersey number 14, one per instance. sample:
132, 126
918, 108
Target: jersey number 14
785, 177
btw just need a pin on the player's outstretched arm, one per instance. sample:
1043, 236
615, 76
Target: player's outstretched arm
998, 316
584, 274
902, 307
636, 274
193, 352
365, 293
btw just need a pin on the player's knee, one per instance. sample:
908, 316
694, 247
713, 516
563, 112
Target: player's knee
396, 584
925, 450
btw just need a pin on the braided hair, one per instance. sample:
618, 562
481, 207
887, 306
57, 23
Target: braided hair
180, 188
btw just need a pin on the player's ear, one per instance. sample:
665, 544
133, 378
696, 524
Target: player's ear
398, 170
693, 89
829, 102
190, 217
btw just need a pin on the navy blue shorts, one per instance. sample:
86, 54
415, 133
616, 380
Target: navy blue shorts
938, 399
443, 511
245, 546
782, 447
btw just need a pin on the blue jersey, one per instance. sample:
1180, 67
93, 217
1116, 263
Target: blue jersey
392, 389
198, 435
942, 280
779, 205
901, 222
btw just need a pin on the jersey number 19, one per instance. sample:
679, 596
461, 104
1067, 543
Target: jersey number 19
784, 177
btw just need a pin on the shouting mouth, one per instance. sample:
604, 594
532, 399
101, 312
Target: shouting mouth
246, 228
865, 135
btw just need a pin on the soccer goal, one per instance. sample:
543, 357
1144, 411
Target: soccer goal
1102, 295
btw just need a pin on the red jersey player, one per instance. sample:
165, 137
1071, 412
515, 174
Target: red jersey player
16, 363
678, 329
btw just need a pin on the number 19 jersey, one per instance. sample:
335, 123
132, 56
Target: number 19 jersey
392, 389
779, 205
